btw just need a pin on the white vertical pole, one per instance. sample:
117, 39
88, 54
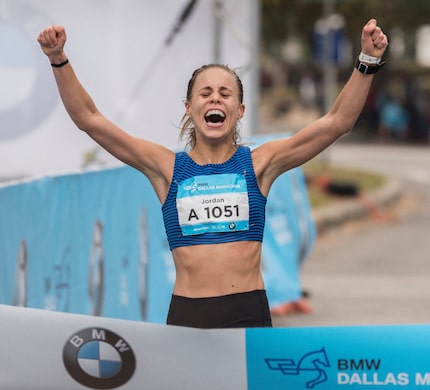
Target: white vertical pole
217, 33
255, 67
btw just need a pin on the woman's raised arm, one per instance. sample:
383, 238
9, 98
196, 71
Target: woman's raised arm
154, 160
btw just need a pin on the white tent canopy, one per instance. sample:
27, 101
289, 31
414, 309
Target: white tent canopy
118, 49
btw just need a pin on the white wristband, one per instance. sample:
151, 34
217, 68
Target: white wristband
368, 59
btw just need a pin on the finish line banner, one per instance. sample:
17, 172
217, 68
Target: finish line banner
44, 350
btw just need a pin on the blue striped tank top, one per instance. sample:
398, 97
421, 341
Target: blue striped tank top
214, 203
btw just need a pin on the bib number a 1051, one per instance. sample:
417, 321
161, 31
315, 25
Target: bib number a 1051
215, 203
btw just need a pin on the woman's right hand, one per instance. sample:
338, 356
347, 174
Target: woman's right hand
52, 41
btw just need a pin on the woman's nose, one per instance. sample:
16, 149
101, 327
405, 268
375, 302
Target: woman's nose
215, 99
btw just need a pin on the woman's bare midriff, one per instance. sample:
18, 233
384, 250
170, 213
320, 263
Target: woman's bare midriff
218, 269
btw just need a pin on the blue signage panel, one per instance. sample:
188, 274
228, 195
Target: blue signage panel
328, 358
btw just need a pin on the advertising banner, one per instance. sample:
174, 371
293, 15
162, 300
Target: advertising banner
328, 358
82, 243
43, 350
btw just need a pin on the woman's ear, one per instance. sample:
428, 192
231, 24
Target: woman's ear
241, 110
187, 108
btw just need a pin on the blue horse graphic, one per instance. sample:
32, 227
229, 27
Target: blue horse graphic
315, 361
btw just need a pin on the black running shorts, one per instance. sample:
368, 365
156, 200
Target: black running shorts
241, 310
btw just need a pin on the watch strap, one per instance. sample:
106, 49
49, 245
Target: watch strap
367, 68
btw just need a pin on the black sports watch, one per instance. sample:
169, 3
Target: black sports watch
368, 69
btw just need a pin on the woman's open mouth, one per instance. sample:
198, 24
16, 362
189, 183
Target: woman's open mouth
215, 117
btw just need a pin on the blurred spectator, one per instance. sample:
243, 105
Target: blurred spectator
393, 120
418, 106
308, 91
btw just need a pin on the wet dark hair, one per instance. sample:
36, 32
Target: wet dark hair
188, 132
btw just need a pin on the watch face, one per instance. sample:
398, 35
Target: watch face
368, 69
27, 93
363, 68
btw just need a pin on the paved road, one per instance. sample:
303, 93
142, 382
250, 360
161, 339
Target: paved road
374, 271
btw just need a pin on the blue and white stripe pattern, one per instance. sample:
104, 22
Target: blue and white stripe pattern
238, 166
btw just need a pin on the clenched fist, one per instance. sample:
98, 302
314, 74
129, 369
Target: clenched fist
52, 40
373, 40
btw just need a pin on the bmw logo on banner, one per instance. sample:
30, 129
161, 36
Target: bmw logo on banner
99, 359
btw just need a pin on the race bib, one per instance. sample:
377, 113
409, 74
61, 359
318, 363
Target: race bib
215, 203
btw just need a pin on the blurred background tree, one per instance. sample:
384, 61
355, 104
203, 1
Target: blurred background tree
280, 18
293, 70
